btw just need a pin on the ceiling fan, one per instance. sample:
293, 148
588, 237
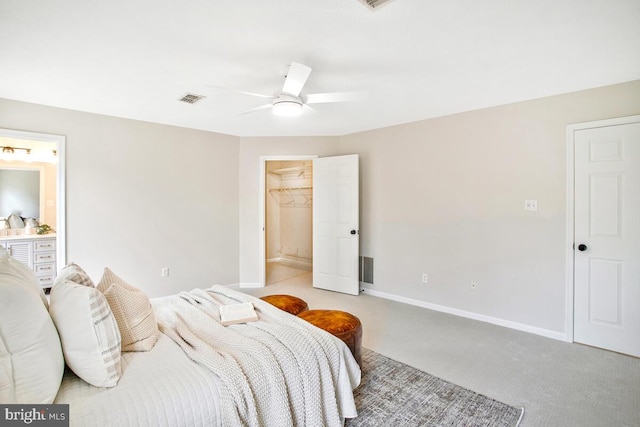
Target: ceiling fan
289, 101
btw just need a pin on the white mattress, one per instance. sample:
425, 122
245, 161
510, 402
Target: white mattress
162, 387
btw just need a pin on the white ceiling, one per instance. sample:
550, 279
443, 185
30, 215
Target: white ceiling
412, 59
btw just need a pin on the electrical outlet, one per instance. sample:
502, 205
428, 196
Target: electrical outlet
425, 279
530, 205
474, 286
165, 272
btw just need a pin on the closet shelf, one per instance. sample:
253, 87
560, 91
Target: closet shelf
291, 170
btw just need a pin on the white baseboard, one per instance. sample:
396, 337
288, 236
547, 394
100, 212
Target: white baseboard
248, 285
302, 263
470, 315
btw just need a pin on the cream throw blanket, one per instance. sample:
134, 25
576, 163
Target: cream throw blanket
277, 371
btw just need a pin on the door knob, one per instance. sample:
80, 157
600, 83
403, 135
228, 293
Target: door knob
353, 231
582, 247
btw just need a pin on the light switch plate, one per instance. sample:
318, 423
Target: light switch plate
530, 205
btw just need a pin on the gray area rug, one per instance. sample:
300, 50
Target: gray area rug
394, 394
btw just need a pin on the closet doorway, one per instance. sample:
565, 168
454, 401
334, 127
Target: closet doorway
288, 197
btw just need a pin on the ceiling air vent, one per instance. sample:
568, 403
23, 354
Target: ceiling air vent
191, 98
374, 4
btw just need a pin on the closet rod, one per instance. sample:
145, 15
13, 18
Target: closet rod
291, 188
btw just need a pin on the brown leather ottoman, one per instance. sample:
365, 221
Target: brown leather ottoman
288, 303
341, 324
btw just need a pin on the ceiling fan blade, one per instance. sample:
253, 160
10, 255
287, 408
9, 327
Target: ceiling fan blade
322, 98
253, 110
310, 109
243, 92
296, 78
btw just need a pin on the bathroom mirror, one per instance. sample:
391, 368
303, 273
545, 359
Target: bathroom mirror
22, 192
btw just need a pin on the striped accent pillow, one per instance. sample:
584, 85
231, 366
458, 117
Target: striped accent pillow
88, 332
74, 273
102, 315
133, 312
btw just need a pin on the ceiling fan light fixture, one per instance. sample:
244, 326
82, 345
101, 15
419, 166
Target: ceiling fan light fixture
287, 107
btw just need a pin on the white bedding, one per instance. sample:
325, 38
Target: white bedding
277, 371
161, 387
165, 387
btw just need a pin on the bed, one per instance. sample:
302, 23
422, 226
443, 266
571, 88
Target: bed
182, 367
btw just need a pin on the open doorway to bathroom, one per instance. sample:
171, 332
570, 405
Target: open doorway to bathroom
32, 207
288, 221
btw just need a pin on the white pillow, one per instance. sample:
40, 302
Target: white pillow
88, 331
74, 273
133, 312
31, 362
23, 273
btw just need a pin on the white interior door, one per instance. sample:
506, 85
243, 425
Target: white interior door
607, 238
336, 241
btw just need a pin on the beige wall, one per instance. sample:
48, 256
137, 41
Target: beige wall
443, 196
143, 196
273, 246
446, 197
